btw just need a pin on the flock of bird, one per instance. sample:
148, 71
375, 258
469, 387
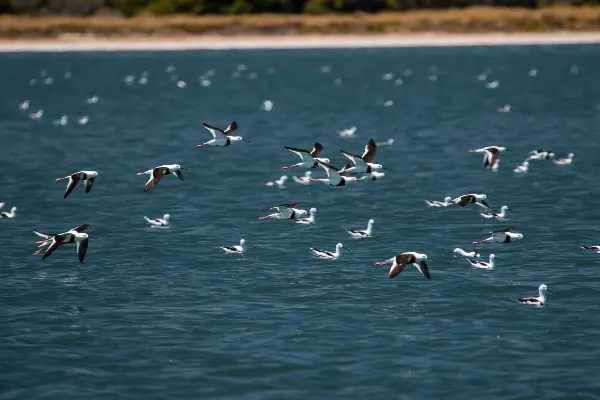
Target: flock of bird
359, 169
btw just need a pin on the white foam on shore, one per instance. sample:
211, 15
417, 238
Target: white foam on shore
82, 43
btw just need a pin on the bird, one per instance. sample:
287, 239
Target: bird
24, 105
373, 176
434, 203
522, 169
472, 254
304, 180
501, 236
478, 199
333, 179
308, 158
541, 300
400, 261
593, 248
280, 183
491, 157
364, 163
540, 155
564, 161
495, 215
235, 249
157, 173
88, 176
164, 221
8, 215
284, 211
53, 241
310, 220
482, 264
328, 254
348, 132
37, 115
222, 137
360, 233
1, 204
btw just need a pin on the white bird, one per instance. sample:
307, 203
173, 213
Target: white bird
501, 236
235, 249
308, 158
222, 137
83, 120
157, 173
305, 180
522, 169
328, 254
24, 105
541, 300
360, 233
593, 248
373, 176
1, 204
364, 163
164, 221
87, 176
332, 178
348, 132
92, 100
280, 183
310, 220
491, 156
472, 254
284, 211
482, 264
540, 154
400, 261
37, 115
564, 161
434, 203
52, 242
495, 215
11, 214
62, 121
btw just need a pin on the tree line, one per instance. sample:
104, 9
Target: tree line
198, 7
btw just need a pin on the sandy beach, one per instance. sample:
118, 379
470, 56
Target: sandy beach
69, 43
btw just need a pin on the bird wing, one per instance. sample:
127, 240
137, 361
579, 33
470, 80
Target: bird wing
73, 181
216, 132
526, 299
344, 171
49, 235
328, 167
56, 242
82, 249
462, 200
506, 229
401, 261
353, 157
233, 126
88, 184
422, 267
80, 228
157, 174
317, 148
300, 152
282, 206
370, 151
178, 174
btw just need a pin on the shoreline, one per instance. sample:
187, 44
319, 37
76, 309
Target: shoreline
70, 43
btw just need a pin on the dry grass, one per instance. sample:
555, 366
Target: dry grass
471, 20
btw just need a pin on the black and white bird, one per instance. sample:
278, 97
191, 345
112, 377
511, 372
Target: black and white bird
308, 158
164, 221
491, 158
333, 179
501, 236
311, 218
74, 179
478, 199
328, 254
400, 261
482, 264
593, 248
222, 137
541, 300
284, 211
8, 215
564, 161
540, 154
469, 254
495, 215
362, 164
157, 173
53, 241
358, 233
235, 249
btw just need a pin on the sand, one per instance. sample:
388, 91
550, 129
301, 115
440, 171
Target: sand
146, 43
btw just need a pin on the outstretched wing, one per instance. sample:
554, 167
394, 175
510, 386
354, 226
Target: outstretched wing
80, 228
44, 235
73, 181
399, 265
88, 184
462, 200
56, 242
317, 148
216, 132
353, 157
231, 128
82, 249
178, 174
157, 174
422, 267
300, 152
370, 151
282, 206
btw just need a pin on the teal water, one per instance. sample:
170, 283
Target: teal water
164, 314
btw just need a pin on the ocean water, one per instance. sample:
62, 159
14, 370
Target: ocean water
165, 314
